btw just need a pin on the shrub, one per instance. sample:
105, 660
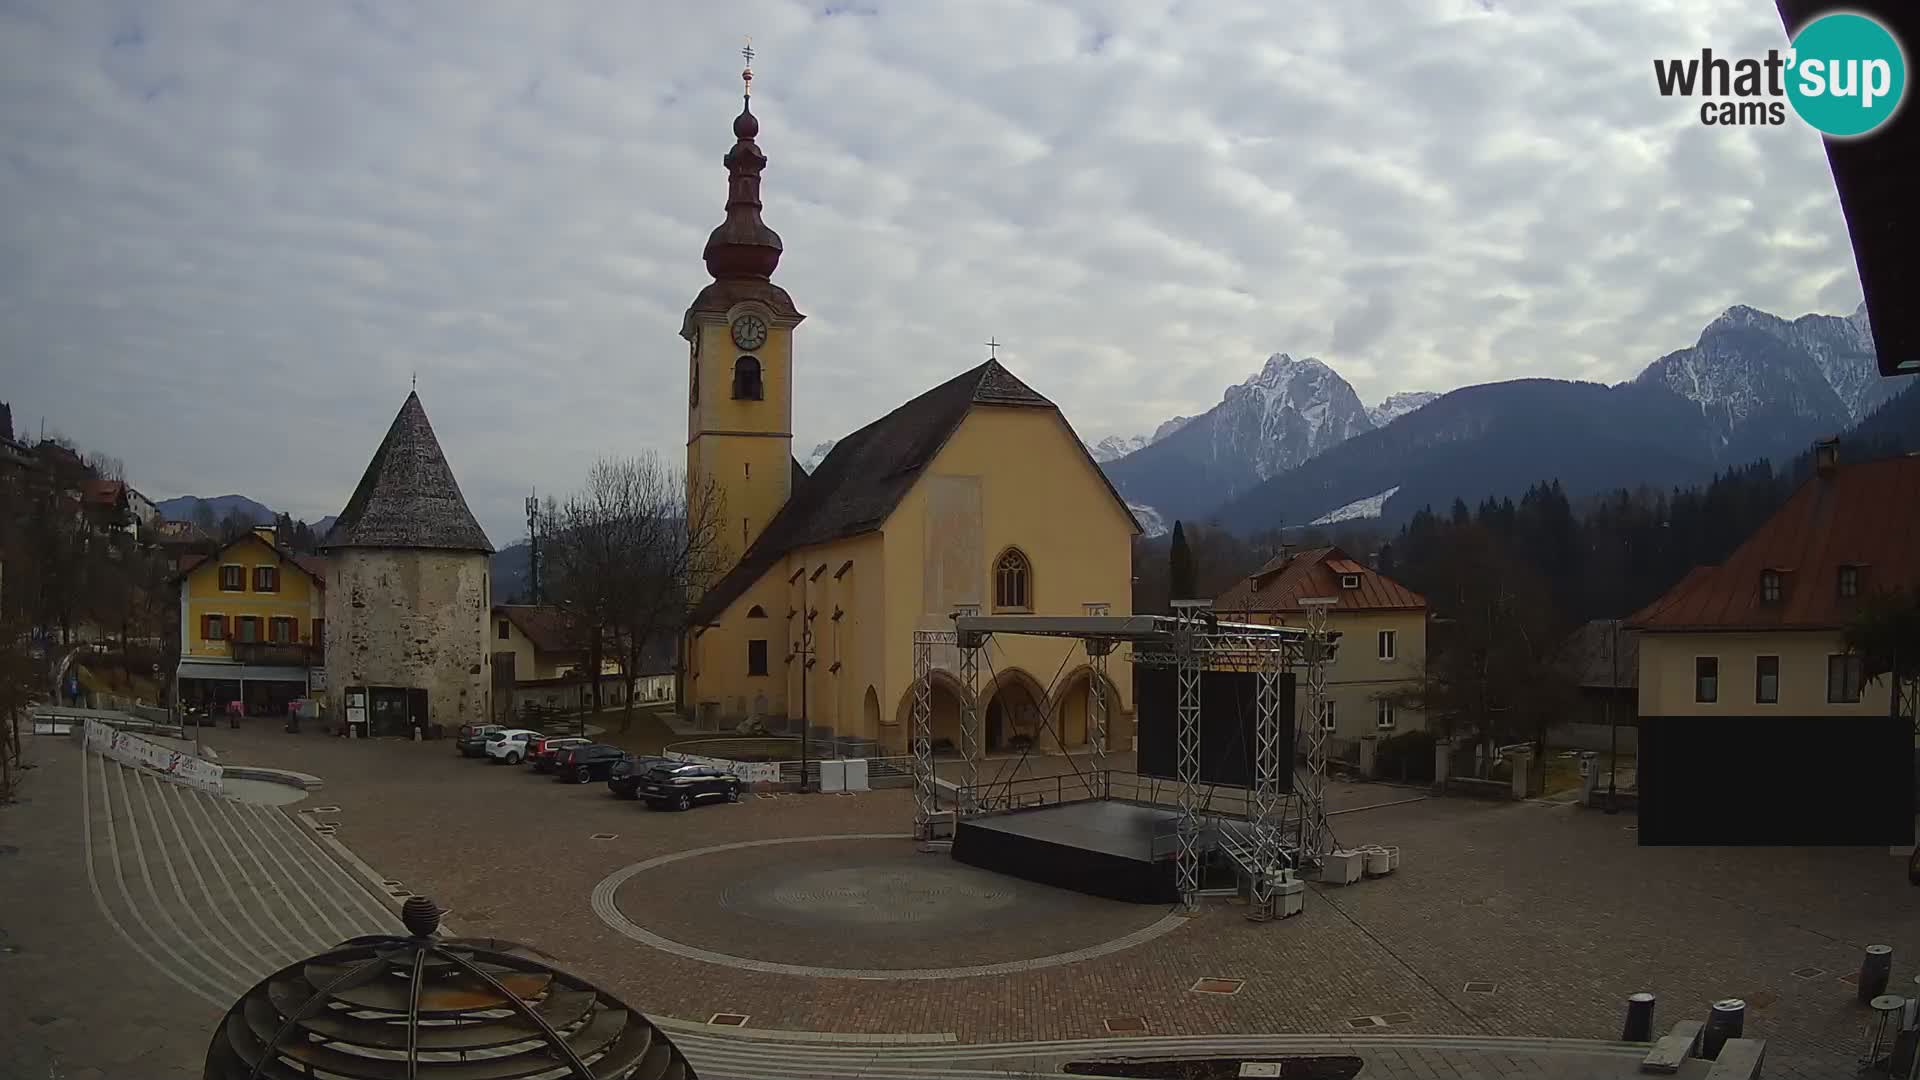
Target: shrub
1407, 756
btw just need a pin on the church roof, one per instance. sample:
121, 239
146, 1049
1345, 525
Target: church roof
867, 473
408, 497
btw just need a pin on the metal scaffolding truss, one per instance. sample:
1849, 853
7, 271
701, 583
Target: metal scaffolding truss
1281, 830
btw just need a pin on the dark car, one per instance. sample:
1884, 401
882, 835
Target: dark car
541, 752
624, 779
586, 763
472, 739
680, 785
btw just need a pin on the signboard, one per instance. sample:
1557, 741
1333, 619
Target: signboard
129, 749
317, 679
749, 772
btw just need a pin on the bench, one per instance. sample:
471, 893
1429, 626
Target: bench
1672, 1051
1739, 1060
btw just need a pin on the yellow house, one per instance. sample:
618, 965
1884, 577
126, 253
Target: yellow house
975, 496
1762, 634
252, 625
1382, 626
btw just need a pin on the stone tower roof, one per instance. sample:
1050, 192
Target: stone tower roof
408, 497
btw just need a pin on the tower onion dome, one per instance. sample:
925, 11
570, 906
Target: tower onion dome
421, 1007
742, 246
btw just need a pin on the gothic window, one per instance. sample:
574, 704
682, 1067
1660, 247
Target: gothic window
746, 379
1013, 582
756, 612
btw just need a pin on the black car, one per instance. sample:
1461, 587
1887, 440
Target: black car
624, 779
680, 785
586, 763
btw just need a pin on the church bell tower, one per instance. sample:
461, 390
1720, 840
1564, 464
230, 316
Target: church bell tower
739, 334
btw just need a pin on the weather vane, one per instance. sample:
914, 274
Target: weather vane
993, 349
746, 73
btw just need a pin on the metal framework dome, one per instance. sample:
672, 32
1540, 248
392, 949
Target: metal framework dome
424, 1008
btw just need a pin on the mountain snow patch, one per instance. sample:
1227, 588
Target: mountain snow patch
1151, 523
1359, 509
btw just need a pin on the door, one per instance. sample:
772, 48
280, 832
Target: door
388, 710
417, 715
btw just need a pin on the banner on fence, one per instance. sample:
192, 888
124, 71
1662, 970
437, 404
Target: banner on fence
130, 749
749, 772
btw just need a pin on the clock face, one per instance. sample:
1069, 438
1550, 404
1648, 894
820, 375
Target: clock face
749, 332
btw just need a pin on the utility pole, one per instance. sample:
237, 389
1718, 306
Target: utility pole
804, 651
1613, 726
533, 545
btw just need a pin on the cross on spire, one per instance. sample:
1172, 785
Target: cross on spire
746, 73
993, 349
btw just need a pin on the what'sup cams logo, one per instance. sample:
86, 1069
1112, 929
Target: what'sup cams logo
1844, 75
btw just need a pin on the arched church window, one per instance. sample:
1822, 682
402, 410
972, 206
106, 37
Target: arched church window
1013, 581
756, 612
746, 379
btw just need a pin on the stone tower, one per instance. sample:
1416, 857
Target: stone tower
407, 591
739, 334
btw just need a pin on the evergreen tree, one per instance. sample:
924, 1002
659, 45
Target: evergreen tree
1180, 569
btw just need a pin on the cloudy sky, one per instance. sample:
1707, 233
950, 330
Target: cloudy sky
234, 230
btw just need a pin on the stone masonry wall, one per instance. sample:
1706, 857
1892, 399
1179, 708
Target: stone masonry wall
410, 618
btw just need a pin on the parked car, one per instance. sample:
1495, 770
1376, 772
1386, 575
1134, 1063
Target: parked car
510, 744
587, 763
472, 740
545, 750
680, 785
624, 779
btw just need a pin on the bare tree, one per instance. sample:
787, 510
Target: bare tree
626, 556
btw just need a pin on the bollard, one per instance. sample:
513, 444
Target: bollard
1639, 1026
1876, 967
1727, 1021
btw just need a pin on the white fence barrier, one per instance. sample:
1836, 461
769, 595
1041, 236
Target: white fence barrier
749, 772
130, 749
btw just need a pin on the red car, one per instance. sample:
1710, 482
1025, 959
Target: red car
542, 751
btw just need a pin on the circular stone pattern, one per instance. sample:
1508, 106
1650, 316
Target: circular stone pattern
867, 907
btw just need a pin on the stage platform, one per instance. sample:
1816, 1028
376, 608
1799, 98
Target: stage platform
1102, 847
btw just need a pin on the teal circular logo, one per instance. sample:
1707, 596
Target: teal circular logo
1847, 74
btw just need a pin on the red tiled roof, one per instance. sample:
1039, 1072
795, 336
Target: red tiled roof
1865, 515
549, 628
102, 492
1282, 583
314, 566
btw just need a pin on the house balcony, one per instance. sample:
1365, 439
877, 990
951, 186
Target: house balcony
276, 654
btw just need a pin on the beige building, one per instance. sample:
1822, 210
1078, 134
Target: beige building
1382, 626
407, 591
1762, 633
538, 659
975, 496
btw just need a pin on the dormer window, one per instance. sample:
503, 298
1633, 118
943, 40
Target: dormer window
746, 379
1769, 586
1849, 581
1349, 581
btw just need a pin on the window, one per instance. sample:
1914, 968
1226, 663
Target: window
1843, 679
756, 612
503, 630
1012, 582
1328, 714
233, 579
1349, 581
214, 627
266, 579
1706, 678
757, 656
281, 630
1383, 714
1849, 584
1095, 609
1766, 680
1386, 644
247, 628
746, 379
1770, 586
320, 632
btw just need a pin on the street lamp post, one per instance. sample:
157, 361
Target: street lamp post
1613, 725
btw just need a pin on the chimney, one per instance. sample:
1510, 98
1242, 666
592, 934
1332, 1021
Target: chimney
1826, 456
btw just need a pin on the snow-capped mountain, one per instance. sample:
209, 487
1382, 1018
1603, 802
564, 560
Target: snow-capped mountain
1398, 405
1766, 386
812, 460
1115, 447
1284, 414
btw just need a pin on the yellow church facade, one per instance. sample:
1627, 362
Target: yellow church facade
974, 497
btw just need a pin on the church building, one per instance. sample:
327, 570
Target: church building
974, 497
